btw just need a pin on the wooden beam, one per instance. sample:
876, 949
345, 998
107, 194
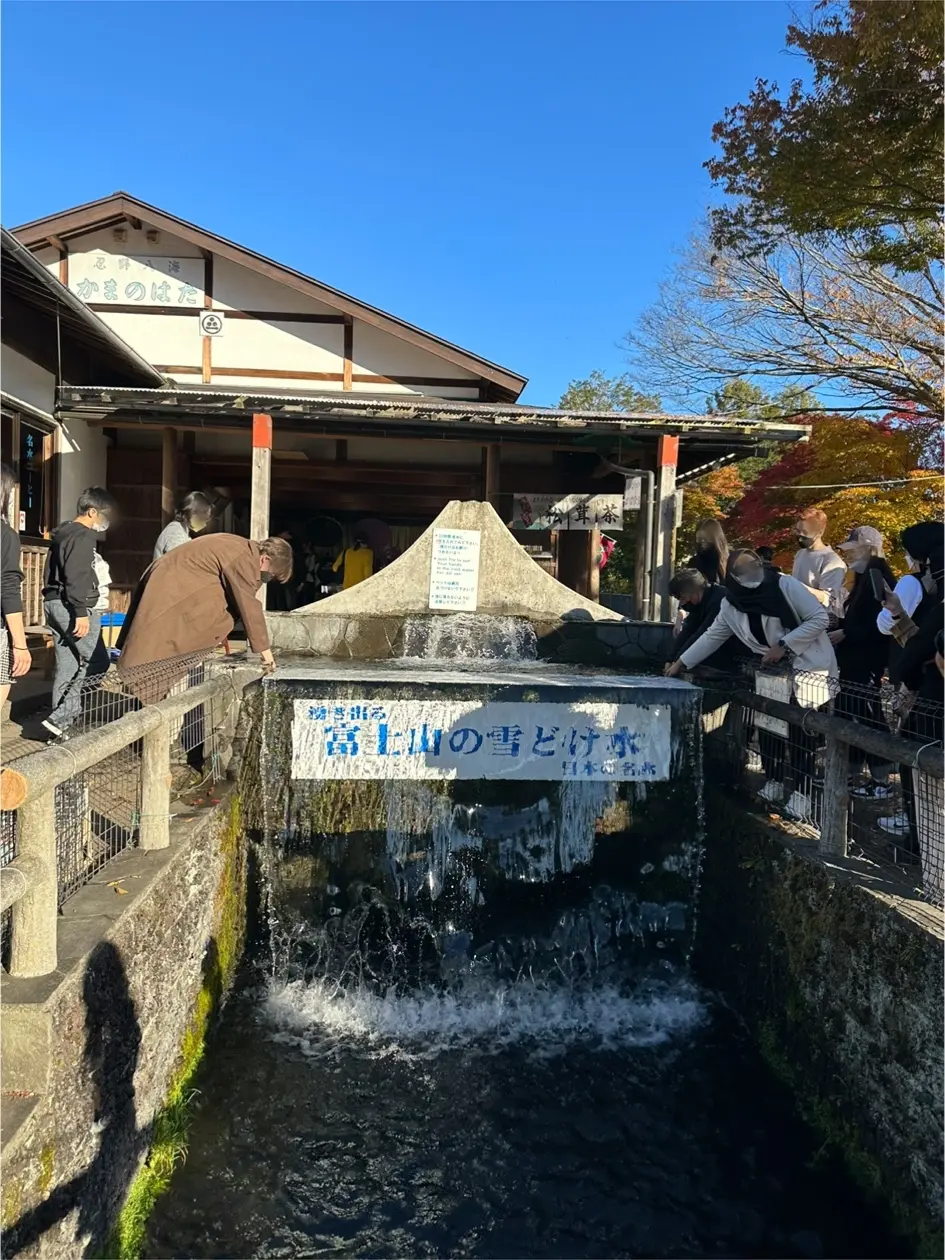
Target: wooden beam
348, 354
206, 360
273, 317
664, 552
491, 488
592, 580
168, 474
261, 478
64, 267
341, 450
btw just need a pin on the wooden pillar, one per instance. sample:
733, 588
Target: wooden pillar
572, 559
261, 481
664, 555
491, 488
168, 474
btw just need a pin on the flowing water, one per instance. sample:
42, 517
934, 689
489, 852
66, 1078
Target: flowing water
472, 1029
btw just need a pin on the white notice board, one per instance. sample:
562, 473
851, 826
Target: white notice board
454, 570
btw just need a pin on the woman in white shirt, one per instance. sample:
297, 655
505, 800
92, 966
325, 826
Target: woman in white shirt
775, 616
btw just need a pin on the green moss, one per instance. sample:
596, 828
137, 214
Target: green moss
46, 1160
12, 1203
168, 1146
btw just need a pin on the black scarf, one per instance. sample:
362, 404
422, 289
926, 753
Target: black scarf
766, 600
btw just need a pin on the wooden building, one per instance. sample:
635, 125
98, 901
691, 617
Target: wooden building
295, 401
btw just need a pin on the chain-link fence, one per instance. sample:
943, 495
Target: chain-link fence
98, 811
778, 753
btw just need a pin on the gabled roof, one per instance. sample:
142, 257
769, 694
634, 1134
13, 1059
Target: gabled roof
61, 321
120, 207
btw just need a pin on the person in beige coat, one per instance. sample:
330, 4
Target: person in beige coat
778, 619
187, 603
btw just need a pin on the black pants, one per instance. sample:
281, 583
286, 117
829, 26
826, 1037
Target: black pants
862, 704
799, 750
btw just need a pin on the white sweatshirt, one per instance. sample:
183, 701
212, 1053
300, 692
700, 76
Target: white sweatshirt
821, 569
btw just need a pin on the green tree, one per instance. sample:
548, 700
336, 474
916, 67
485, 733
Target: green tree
608, 393
741, 398
858, 152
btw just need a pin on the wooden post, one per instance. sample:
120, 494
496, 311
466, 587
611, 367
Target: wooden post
155, 826
492, 474
168, 474
572, 559
665, 524
34, 923
261, 482
836, 802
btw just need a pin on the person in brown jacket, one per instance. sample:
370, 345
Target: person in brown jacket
187, 602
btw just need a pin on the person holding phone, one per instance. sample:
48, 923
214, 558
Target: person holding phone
863, 651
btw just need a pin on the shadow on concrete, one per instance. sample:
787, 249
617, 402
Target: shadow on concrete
110, 1057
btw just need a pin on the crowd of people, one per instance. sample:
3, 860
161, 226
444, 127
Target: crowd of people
830, 634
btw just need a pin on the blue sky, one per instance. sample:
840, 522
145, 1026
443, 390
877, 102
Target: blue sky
512, 176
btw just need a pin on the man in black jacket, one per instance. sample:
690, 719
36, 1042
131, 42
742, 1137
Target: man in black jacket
701, 601
71, 593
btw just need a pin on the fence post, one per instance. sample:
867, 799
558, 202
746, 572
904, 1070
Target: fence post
34, 916
155, 826
836, 802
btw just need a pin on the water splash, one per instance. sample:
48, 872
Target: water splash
470, 636
322, 1018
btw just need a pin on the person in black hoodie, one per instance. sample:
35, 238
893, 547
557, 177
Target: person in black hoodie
863, 651
700, 600
70, 592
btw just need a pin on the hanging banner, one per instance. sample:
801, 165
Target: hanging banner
568, 511
466, 739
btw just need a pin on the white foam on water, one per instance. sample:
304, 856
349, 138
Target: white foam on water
324, 1019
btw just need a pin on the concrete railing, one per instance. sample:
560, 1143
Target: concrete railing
29, 884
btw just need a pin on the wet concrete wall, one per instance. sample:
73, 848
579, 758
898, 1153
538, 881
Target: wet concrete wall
840, 978
93, 1053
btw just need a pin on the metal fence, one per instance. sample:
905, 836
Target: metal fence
858, 769
141, 745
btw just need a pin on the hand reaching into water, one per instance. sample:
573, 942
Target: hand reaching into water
268, 661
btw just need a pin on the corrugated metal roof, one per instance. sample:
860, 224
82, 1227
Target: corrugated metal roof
404, 409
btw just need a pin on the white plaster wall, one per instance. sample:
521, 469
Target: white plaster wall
26, 380
282, 346
161, 339
379, 354
239, 288
83, 459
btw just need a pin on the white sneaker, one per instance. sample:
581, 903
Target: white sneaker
799, 807
754, 763
55, 731
897, 825
772, 792
873, 791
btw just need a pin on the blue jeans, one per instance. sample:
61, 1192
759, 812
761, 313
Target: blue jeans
77, 660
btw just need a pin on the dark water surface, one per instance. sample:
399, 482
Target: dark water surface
348, 1141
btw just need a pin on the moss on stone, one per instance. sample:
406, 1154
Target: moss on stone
47, 1158
841, 992
12, 1203
168, 1146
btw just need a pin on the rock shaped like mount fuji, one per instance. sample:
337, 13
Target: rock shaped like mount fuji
511, 584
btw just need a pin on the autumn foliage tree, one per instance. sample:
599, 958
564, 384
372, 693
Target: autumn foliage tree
832, 472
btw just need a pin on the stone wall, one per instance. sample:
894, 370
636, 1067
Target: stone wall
841, 980
96, 1052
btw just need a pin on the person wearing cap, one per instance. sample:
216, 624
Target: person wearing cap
862, 653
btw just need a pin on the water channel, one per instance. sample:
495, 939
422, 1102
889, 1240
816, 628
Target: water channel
469, 1025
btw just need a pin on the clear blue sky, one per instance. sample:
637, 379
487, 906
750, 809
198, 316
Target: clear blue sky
512, 176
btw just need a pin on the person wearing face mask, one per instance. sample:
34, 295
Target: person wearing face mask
775, 617
190, 520
187, 603
914, 624
700, 601
816, 565
71, 595
863, 652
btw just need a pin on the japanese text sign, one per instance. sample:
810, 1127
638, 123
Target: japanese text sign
568, 511
464, 739
127, 281
454, 570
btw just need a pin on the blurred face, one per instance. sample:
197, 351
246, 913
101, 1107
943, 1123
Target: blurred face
198, 522
806, 533
750, 574
704, 542
690, 597
100, 520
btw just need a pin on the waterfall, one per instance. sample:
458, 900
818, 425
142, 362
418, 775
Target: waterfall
469, 637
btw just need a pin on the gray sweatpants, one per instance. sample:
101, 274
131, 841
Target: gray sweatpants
77, 660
